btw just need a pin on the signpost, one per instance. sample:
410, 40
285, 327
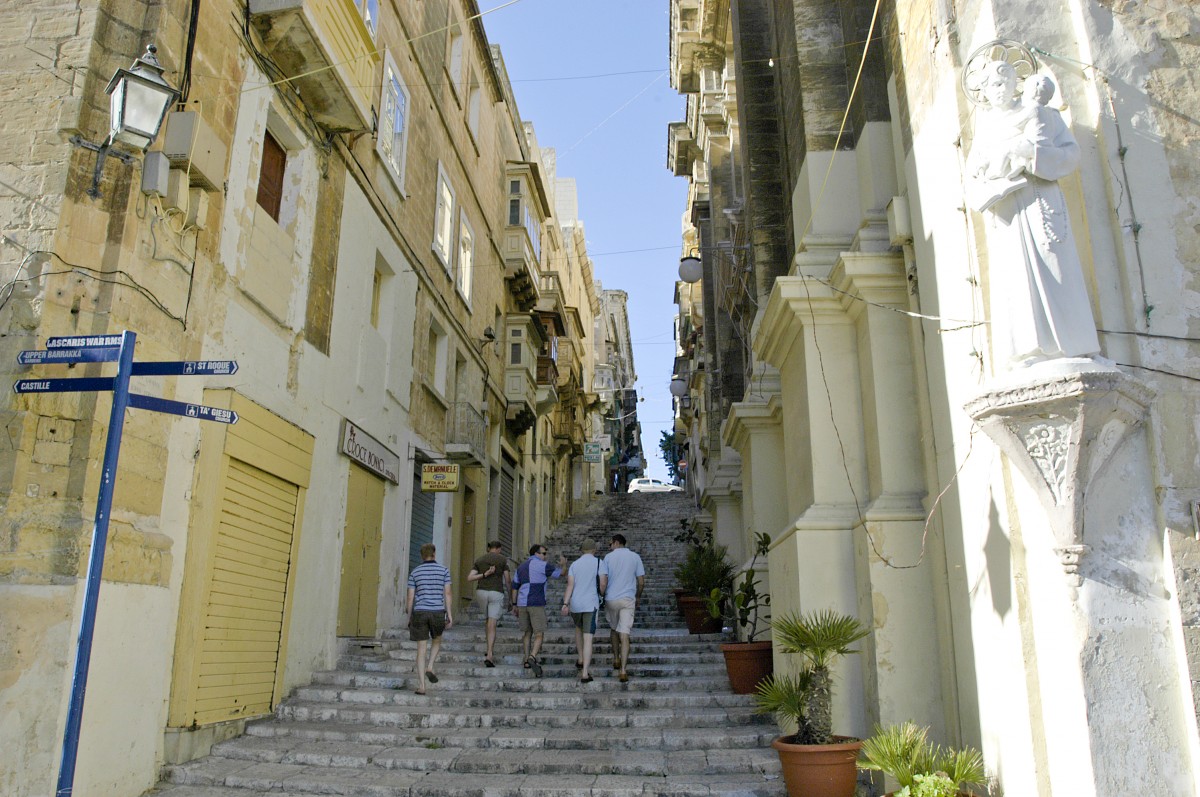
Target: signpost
100, 349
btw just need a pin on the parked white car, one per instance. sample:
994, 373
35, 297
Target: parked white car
652, 486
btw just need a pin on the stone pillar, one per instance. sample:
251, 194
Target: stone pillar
902, 655
1107, 670
754, 429
723, 501
806, 333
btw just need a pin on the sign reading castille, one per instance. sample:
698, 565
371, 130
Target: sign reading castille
439, 478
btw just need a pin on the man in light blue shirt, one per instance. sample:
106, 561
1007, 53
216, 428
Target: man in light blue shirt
582, 602
622, 579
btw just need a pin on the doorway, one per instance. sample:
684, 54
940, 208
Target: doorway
358, 602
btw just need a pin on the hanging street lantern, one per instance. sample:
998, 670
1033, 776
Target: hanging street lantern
138, 101
690, 270
679, 387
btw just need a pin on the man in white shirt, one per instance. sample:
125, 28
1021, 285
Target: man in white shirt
622, 579
582, 602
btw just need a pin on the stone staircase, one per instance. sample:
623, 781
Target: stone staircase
673, 729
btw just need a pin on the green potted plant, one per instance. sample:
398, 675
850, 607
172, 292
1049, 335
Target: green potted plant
920, 767
704, 569
747, 661
815, 762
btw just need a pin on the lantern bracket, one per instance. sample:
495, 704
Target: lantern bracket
102, 151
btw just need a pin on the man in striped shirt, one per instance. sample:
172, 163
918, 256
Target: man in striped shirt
429, 608
529, 601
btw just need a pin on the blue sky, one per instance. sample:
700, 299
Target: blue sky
610, 131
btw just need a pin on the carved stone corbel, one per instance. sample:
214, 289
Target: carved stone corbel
1060, 425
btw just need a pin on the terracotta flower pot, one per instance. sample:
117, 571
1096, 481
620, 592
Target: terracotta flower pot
695, 614
747, 663
819, 770
679, 593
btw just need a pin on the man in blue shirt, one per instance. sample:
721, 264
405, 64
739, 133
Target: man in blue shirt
622, 579
581, 603
529, 601
429, 610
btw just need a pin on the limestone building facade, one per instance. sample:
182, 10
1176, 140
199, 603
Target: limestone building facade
345, 202
1022, 540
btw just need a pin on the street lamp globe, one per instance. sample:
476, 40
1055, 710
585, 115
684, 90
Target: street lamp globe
679, 387
690, 270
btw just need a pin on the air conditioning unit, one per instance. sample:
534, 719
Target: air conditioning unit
191, 145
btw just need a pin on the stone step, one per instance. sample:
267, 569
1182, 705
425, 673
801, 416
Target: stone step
228, 778
541, 693
433, 715
734, 737
430, 756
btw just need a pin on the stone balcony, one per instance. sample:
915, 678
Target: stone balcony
466, 435
324, 46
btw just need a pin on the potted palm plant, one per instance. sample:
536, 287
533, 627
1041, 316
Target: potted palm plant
920, 767
815, 762
704, 569
749, 660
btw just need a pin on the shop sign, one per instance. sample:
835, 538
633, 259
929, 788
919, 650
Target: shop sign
369, 452
439, 478
591, 452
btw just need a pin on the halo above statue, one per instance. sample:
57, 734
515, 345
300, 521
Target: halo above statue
1015, 54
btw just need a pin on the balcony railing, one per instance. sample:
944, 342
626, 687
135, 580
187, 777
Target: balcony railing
326, 49
466, 438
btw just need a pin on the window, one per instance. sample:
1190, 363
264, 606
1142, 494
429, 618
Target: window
514, 212
443, 223
392, 143
376, 292
270, 176
534, 228
466, 258
370, 13
438, 348
515, 354
454, 56
474, 101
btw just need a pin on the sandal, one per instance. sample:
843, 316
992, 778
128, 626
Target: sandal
587, 680
536, 666
419, 691
429, 676
579, 665
623, 678
489, 663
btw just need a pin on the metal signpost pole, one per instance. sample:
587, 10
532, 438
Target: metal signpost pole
87, 623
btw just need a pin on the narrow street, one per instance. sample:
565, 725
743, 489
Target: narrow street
673, 729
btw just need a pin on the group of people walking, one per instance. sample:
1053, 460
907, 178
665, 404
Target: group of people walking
616, 582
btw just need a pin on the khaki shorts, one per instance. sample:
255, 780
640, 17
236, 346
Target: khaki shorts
532, 618
492, 603
619, 613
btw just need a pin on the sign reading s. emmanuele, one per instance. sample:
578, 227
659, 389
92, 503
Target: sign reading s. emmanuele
369, 452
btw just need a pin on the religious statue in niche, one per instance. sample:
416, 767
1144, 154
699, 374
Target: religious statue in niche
1022, 147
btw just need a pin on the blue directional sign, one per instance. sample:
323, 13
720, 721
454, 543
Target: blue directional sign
83, 342
200, 411
186, 368
82, 384
101, 354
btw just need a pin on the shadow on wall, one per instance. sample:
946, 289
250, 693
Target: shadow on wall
997, 550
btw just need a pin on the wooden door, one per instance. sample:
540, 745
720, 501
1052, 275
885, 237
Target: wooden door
358, 602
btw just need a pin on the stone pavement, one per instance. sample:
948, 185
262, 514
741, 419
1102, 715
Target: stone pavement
673, 729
